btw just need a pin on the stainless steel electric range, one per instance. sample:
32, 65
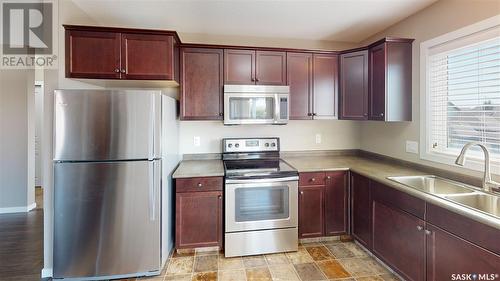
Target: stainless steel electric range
261, 198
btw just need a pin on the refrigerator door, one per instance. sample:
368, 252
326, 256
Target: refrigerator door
106, 218
102, 125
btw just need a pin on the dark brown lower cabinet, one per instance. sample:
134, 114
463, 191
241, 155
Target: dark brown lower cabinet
450, 257
311, 212
198, 215
336, 203
361, 226
323, 204
399, 240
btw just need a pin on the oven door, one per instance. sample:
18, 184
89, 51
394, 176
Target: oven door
261, 204
254, 108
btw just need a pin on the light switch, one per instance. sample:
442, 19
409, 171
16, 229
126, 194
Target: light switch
412, 147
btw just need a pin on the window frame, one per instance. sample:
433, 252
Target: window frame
473, 161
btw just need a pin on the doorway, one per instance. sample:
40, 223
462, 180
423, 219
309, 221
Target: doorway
38, 91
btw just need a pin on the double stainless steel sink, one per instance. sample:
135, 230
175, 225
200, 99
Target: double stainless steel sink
463, 194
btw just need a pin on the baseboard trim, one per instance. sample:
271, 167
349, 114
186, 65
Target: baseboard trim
31, 207
22, 209
46, 272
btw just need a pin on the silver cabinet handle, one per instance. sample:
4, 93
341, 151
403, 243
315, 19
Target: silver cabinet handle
381, 114
328, 177
419, 228
123, 70
302, 192
427, 232
313, 179
117, 70
199, 184
220, 197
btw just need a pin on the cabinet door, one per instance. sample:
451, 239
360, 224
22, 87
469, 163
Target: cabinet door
311, 212
270, 68
377, 89
361, 210
201, 83
354, 85
198, 219
299, 77
82, 59
336, 203
146, 56
449, 255
239, 67
325, 86
399, 240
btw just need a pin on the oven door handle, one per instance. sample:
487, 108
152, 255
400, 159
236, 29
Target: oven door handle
266, 180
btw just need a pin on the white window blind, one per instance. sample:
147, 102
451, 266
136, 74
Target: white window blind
464, 97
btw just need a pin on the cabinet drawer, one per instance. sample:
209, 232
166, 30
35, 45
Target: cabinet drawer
199, 184
315, 178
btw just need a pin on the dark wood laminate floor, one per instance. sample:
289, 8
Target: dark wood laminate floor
21, 246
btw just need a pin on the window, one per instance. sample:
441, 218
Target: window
462, 93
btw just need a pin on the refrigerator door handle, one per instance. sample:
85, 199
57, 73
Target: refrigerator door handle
151, 137
152, 191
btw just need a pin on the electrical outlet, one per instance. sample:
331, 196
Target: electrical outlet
196, 141
318, 138
412, 147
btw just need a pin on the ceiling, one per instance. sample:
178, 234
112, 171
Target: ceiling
331, 20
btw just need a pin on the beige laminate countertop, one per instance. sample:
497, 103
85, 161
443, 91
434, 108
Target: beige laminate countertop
374, 169
379, 170
199, 168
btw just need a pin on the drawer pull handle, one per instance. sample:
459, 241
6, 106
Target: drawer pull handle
313, 179
419, 228
220, 197
302, 192
199, 184
427, 232
328, 177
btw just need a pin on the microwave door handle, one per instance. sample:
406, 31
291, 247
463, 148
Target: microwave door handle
276, 108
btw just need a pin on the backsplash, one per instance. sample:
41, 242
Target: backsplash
296, 135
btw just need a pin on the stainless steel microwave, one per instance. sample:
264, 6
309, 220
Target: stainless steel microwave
256, 104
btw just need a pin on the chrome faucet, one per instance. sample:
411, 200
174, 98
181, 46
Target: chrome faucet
488, 184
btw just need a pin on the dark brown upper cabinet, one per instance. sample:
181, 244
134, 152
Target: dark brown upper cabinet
354, 85
325, 86
120, 53
84, 61
247, 67
201, 79
313, 81
300, 80
390, 81
146, 56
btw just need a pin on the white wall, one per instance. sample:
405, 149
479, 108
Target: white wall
296, 135
442, 17
16, 175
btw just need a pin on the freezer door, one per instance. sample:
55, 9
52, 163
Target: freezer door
106, 218
101, 125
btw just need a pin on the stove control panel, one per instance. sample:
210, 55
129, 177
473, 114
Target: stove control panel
250, 145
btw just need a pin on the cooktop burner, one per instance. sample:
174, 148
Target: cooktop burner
254, 158
261, 168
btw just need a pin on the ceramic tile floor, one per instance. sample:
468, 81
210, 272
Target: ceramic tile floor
333, 260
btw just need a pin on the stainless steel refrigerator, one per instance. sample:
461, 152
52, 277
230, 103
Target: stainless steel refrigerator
107, 171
